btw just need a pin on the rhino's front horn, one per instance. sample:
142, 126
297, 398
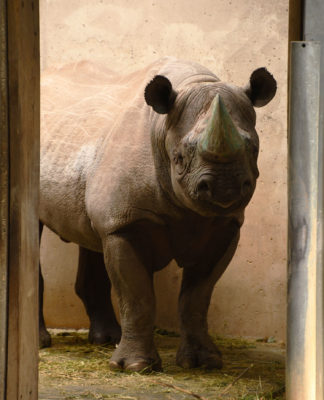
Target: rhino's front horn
220, 138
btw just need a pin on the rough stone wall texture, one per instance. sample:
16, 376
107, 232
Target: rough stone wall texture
231, 38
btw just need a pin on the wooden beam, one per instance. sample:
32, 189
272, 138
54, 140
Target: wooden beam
295, 31
4, 195
21, 155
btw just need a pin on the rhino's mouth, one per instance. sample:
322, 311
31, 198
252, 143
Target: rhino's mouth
215, 194
216, 208
217, 190
222, 207
223, 186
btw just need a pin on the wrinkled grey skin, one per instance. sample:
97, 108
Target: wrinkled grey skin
125, 171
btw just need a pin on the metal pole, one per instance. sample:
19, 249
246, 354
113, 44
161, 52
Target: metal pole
305, 269
313, 29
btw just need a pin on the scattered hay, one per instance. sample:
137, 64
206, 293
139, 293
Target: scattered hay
74, 369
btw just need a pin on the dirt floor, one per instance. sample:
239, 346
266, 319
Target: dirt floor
73, 369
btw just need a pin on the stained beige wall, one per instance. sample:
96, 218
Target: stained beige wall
231, 37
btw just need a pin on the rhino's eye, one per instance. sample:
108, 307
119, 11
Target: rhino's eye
178, 158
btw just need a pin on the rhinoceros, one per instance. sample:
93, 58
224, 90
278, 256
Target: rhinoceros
142, 169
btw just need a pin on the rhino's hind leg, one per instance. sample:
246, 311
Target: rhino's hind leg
133, 283
44, 336
197, 349
93, 287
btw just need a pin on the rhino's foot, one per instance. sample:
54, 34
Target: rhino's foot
196, 353
98, 335
131, 359
140, 366
44, 339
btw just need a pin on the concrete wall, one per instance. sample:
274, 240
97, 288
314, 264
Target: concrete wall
231, 37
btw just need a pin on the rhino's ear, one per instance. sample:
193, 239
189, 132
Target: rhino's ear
261, 88
159, 94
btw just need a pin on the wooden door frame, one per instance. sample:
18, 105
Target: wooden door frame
19, 197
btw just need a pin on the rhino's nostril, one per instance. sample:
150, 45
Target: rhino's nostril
202, 187
205, 189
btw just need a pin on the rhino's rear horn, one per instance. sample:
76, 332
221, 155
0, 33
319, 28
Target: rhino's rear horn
261, 88
159, 94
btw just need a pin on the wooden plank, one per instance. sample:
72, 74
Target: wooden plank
23, 74
4, 195
295, 31
295, 20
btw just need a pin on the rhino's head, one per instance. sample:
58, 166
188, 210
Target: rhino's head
207, 140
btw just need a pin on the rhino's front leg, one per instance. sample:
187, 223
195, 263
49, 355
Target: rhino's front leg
133, 283
196, 347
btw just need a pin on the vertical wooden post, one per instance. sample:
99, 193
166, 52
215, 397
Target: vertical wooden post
19, 195
4, 196
295, 28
